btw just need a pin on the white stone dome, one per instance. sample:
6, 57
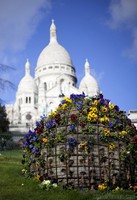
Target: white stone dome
89, 84
52, 54
27, 83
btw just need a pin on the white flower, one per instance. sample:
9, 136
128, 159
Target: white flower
54, 185
46, 182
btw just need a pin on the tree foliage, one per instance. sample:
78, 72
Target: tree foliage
4, 122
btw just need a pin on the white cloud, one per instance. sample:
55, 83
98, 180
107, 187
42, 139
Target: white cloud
123, 12
132, 51
124, 15
18, 22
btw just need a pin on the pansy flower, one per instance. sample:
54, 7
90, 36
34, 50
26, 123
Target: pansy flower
45, 140
104, 109
123, 132
73, 117
106, 132
111, 106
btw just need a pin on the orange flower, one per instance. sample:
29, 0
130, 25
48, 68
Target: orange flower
45, 140
95, 102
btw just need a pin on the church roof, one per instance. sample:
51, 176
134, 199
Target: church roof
54, 53
89, 84
27, 83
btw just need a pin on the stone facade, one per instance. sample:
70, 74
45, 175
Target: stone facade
133, 116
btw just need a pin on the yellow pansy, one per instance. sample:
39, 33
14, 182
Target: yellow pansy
58, 108
83, 144
68, 99
53, 113
95, 102
104, 109
111, 106
92, 116
106, 132
95, 116
123, 132
106, 119
117, 189
64, 106
89, 118
102, 187
37, 178
93, 109
102, 119
112, 146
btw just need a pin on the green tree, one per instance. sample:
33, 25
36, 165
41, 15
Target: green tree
5, 135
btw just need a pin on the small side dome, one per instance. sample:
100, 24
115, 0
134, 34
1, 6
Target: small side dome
27, 83
88, 84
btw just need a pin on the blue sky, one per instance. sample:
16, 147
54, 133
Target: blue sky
104, 31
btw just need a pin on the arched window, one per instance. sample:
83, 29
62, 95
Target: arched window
29, 99
26, 99
45, 86
35, 101
61, 81
62, 86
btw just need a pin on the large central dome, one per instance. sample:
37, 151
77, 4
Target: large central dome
54, 53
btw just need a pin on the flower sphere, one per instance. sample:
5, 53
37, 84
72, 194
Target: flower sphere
86, 142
